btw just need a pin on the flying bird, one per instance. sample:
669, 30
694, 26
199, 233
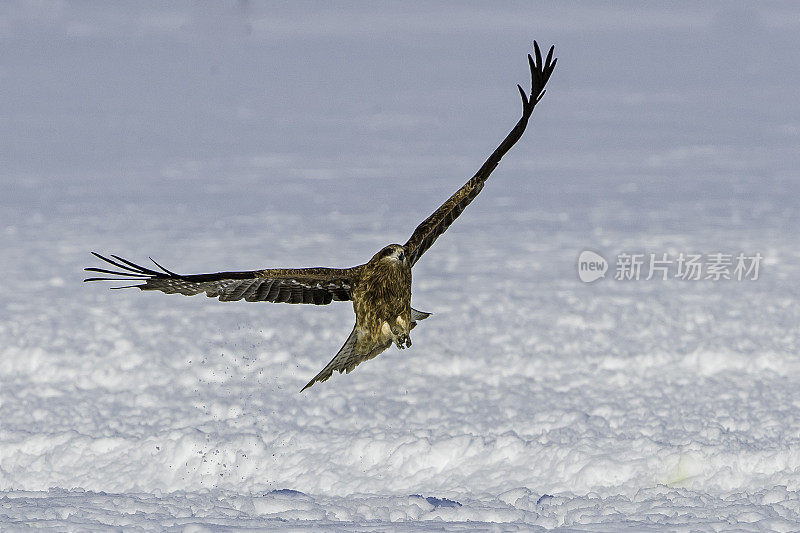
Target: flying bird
380, 289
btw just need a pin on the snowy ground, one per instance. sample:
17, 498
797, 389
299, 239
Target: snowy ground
247, 135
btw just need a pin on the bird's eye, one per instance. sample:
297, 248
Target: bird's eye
402, 256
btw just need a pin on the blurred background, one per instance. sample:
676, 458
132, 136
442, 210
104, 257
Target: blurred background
249, 107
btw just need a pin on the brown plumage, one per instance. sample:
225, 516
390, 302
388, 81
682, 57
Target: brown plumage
380, 289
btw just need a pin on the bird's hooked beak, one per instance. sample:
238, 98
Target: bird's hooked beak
393, 252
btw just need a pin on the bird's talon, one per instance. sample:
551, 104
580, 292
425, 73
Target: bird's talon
402, 341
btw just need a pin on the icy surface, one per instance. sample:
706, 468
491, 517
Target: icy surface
228, 137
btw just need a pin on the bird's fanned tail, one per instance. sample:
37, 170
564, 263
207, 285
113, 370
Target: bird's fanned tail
346, 359
339, 361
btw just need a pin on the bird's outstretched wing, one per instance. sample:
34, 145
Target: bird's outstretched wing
436, 224
317, 285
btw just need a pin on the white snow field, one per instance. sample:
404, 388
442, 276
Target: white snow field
247, 135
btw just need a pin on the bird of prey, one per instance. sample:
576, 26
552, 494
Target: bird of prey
380, 289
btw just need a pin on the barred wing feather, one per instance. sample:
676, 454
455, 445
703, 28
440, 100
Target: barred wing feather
317, 285
429, 230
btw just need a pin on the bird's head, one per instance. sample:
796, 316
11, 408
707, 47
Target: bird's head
391, 252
